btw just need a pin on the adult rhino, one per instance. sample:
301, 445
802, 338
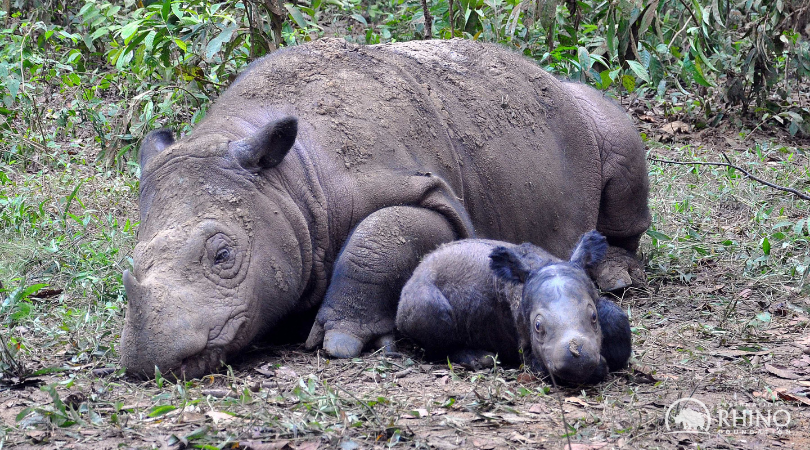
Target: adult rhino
324, 173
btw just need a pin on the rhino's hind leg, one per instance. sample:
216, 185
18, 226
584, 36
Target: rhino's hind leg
361, 302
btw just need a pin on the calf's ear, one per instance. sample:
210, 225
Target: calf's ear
154, 143
508, 265
267, 147
590, 250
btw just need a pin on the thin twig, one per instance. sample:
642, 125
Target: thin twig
729, 164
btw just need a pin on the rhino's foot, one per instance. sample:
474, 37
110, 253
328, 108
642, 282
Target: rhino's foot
316, 335
619, 270
474, 359
340, 344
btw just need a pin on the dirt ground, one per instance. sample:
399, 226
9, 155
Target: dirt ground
708, 334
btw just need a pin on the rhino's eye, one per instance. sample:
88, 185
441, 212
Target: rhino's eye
223, 255
538, 327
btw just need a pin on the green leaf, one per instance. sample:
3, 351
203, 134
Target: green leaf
215, 45
764, 316
33, 289
149, 40
611, 33
658, 235
26, 411
129, 29
584, 59
297, 16
766, 245
693, 70
161, 410
180, 43
355, 16
606, 79
165, 9
629, 83
639, 70
22, 311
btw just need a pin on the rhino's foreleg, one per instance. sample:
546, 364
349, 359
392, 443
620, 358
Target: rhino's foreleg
361, 303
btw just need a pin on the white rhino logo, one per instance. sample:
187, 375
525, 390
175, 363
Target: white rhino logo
696, 419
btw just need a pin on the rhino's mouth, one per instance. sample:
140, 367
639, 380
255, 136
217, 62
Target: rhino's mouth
213, 356
202, 363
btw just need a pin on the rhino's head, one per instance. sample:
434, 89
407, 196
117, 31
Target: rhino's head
221, 252
558, 306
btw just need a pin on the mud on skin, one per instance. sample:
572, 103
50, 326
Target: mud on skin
319, 179
472, 299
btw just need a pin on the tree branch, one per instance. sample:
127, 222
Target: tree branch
729, 164
428, 20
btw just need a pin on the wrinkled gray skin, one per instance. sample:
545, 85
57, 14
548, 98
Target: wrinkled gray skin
323, 174
474, 298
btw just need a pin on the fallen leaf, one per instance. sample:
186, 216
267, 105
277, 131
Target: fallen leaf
310, 445
265, 370
37, 436
526, 378
675, 127
638, 376
577, 401
745, 293
46, 293
286, 372
484, 443
731, 354
189, 416
538, 408
75, 399
220, 417
646, 118
219, 393
781, 372
416, 413
788, 397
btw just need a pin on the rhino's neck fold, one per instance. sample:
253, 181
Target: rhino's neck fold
305, 191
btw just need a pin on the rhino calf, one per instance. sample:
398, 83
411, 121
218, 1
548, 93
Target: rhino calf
473, 297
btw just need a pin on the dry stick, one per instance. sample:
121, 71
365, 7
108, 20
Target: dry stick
428, 21
745, 172
559, 398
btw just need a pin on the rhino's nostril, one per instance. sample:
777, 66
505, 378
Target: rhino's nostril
575, 347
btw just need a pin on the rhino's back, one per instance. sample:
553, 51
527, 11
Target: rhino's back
504, 134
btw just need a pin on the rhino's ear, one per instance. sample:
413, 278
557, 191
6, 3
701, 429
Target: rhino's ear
154, 143
590, 250
508, 265
267, 147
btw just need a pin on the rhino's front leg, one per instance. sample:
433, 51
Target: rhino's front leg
361, 303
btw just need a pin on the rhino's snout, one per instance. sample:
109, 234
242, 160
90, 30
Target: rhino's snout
575, 358
156, 335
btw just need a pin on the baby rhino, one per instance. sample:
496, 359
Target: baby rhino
472, 298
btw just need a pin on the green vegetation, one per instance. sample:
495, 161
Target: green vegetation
83, 82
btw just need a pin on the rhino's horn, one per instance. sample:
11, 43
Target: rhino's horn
268, 146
